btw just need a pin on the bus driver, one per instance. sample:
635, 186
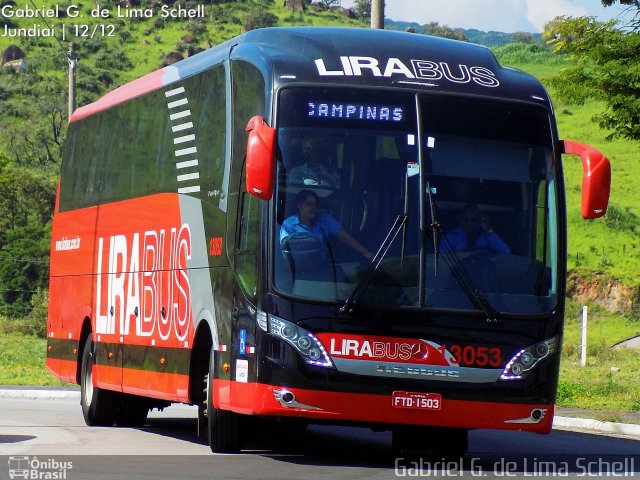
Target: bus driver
314, 171
320, 225
473, 234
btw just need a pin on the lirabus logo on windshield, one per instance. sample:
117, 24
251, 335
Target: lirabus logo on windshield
424, 70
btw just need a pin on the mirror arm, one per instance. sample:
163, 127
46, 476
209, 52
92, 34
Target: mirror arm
255, 122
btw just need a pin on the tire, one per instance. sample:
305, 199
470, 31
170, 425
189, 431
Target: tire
223, 426
203, 421
98, 405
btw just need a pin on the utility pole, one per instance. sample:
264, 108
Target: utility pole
73, 63
377, 14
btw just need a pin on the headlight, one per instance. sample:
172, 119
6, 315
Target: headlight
261, 319
526, 359
302, 340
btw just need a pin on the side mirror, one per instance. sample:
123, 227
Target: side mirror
261, 158
596, 179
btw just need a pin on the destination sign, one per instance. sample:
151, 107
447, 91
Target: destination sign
356, 111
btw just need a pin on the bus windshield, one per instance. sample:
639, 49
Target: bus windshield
399, 199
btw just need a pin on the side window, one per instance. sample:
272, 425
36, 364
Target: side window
153, 160
119, 154
210, 115
83, 163
248, 100
248, 243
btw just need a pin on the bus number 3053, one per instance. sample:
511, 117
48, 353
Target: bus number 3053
476, 356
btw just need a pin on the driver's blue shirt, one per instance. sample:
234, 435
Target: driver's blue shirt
457, 240
323, 227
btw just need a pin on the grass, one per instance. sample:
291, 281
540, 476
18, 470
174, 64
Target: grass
609, 381
22, 361
147, 40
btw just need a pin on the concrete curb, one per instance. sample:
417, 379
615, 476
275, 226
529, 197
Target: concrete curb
559, 422
570, 423
38, 393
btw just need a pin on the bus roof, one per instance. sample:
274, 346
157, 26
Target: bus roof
350, 56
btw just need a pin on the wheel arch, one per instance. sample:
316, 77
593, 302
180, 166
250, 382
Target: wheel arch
85, 331
205, 341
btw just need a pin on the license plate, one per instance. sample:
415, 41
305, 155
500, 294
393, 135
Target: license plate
417, 400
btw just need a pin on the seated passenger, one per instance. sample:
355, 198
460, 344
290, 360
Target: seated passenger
314, 170
473, 235
320, 225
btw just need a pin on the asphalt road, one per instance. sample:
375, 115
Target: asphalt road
49, 436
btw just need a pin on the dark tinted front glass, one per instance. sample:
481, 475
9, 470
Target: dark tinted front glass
349, 164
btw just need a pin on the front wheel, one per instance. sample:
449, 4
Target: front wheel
223, 426
98, 406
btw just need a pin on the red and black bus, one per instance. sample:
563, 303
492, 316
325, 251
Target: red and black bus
318, 225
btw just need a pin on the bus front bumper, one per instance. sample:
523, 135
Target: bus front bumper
330, 406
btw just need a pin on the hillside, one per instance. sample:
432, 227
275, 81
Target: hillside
118, 44
603, 255
488, 39
114, 45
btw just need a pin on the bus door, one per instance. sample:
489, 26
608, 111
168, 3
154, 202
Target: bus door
244, 296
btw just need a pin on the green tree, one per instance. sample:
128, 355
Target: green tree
633, 3
631, 6
26, 196
24, 267
362, 9
261, 18
38, 106
26, 204
329, 3
523, 37
444, 31
606, 68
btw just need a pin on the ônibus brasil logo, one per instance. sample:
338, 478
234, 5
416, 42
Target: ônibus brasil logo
38, 469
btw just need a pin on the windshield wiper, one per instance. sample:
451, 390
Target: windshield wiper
457, 268
455, 265
435, 228
468, 287
363, 284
